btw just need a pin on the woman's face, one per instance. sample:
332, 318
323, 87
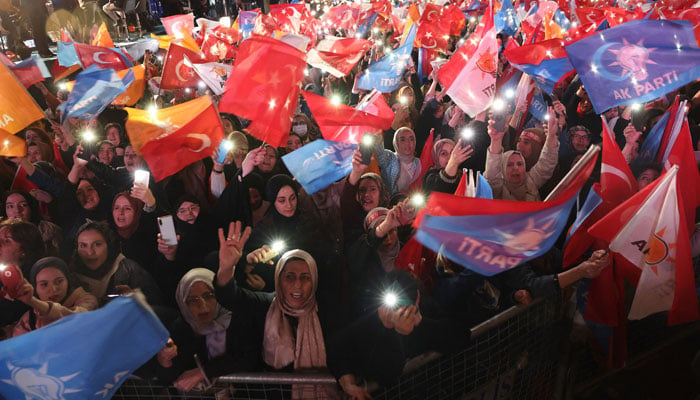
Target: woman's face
105, 154
299, 126
10, 250
188, 212
269, 161
202, 302
286, 201
51, 285
228, 125
92, 248
33, 153
296, 283
113, 136
293, 143
368, 194
31, 136
16, 206
580, 141
646, 177
444, 154
132, 161
87, 195
406, 143
123, 212
515, 169
255, 198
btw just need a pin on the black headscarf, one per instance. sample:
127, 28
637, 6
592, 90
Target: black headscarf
59, 264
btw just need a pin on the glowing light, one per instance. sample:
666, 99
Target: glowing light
375, 30
88, 135
201, 85
546, 117
498, 105
188, 90
160, 58
390, 299
152, 111
417, 200
467, 133
368, 140
306, 72
62, 86
636, 106
272, 103
227, 144
403, 100
510, 93
594, 69
6, 142
472, 20
335, 100
549, 53
278, 246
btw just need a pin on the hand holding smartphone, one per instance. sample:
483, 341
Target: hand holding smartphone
166, 225
366, 145
142, 177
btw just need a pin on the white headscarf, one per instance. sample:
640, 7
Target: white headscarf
215, 331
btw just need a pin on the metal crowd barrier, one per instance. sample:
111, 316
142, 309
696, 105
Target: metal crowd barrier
515, 354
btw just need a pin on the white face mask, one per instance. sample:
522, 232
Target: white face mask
299, 130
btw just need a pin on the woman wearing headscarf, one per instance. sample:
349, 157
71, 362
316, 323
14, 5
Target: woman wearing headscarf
446, 172
52, 292
293, 333
506, 173
224, 341
22, 205
400, 167
103, 270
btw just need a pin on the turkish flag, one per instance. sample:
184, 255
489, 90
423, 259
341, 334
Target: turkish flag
342, 16
264, 87
433, 29
426, 161
172, 138
215, 48
103, 57
175, 73
175, 24
341, 123
338, 56
617, 183
289, 17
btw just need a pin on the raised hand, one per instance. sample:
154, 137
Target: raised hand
230, 250
261, 255
459, 155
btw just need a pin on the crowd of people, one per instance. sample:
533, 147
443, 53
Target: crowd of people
265, 276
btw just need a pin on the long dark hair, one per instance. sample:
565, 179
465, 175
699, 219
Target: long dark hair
110, 238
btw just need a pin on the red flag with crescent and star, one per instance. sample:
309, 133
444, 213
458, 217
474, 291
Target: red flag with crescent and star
176, 74
103, 57
172, 138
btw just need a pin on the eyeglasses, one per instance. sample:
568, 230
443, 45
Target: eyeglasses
191, 209
196, 300
577, 136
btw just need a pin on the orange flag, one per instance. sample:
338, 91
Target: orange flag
17, 107
171, 138
11, 145
102, 38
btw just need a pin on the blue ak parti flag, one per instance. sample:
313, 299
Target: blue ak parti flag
483, 189
320, 163
67, 55
385, 74
93, 91
538, 107
81, 356
636, 62
506, 19
650, 146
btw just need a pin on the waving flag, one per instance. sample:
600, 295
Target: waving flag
648, 232
433, 28
103, 57
177, 74
385, 74
138, 49
637, 61
546, 62
616, 179
338, 56
67, 56
219, 44
30, 71
11, 145
506, 19
172, 138
342, 123
320, 163
60, 362
649, 152
134, 91
176, 24
473, 184
17, 107
259, 90
426, 161
492, 236
342, 16
93, 91
213, 74
102, 38
470, 74
578, 240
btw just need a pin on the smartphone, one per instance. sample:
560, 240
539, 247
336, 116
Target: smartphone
366, 146
167, 229
499, 121
224, 148
142, 177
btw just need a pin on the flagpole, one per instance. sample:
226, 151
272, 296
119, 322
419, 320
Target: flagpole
575, 170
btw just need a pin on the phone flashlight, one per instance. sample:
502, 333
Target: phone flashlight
88, 136
417, 200
467, 133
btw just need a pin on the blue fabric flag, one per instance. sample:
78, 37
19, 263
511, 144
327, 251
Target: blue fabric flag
67, 55
364, 27
506, 19
637, 61
592, 202
547, 62
320, 163
650, 145
483, 189
561, 20
246, 23
538, 107
81, 356
490, 244
94, 90
385, 74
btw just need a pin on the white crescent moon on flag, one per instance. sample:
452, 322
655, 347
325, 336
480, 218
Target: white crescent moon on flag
430, 15
609, 169
177, 26
426, 46
206, 141
97, 59
178, 66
